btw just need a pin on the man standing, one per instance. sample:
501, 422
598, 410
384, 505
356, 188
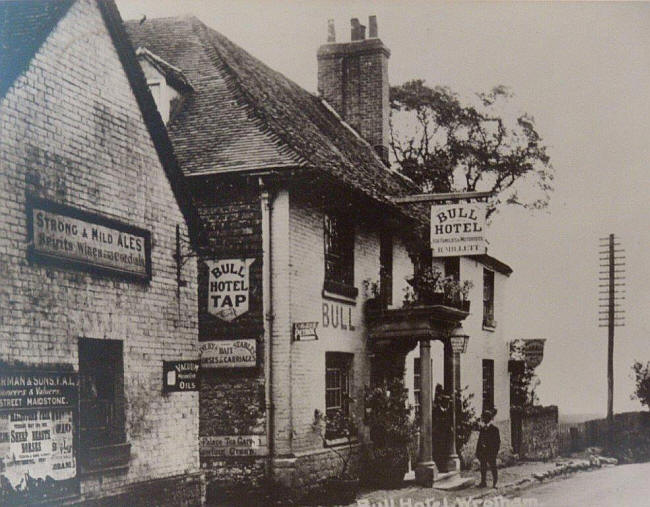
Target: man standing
488, 445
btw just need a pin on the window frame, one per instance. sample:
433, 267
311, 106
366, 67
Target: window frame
386, 268
102, 363
488, 384
338, 252
417, 387
340, 363
488, 299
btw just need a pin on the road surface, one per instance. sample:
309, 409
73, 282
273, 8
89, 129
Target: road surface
625, 486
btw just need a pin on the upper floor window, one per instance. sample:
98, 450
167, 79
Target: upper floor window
386, 268
488, 298
452, 267
339, 254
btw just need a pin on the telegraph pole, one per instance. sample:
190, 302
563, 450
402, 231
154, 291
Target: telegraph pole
612, 265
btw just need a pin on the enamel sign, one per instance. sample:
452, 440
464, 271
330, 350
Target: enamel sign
458, 229
228, 288
229, 353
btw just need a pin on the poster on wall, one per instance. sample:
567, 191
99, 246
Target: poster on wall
37, 435
228, 288
458, 229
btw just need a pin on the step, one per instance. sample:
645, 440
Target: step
453, 482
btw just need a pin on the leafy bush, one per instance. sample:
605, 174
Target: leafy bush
388, 415
392, 431
642, 380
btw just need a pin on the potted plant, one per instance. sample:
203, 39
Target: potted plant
343, 487
392, 430
430, 287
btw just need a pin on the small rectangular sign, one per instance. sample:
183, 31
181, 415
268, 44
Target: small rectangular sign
70, 236
234, 446
458, 229
229, 353
305, 331
180, 376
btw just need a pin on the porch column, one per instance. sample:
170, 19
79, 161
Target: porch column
453, 462
425, 470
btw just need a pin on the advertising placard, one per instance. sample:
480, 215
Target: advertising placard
234, 445
305, 331
229, 353
37, 435
72, 237
180, 376
458, 229
228, 288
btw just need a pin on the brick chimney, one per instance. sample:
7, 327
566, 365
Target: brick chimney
353, 78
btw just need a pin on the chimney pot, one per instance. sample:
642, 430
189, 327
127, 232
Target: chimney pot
362, 32
372, 24
355, 29
331, 32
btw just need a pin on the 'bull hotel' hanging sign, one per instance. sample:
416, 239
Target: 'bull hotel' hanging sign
228, 288
72, 237
37, 435
458, 229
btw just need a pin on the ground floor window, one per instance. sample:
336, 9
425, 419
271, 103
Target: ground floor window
417, 387
101, 392
488, 384
338, 367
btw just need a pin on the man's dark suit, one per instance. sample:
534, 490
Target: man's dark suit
487, 448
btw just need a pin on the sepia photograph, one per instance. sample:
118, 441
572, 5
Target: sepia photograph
365, 253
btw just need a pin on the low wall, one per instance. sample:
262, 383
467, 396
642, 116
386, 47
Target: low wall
631, 432
537, 432
182, 490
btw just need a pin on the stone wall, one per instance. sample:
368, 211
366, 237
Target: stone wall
539, 432
72, 133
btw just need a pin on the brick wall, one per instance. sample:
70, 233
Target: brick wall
72, 133
341, 328
232, 401
353, 78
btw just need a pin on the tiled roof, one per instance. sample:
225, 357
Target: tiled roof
24, 26
244, 116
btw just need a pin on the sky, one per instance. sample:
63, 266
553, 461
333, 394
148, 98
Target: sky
582, 70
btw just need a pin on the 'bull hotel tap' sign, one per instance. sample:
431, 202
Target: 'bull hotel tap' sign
228, 288
70, 236
458, 229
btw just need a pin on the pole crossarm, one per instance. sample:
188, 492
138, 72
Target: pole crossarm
451, 196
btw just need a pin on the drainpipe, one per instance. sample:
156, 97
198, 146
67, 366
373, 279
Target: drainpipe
267, 312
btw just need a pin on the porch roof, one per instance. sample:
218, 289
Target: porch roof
409, 325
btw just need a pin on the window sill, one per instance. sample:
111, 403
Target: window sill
105, 458
340, 292
489, 326
339, 442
